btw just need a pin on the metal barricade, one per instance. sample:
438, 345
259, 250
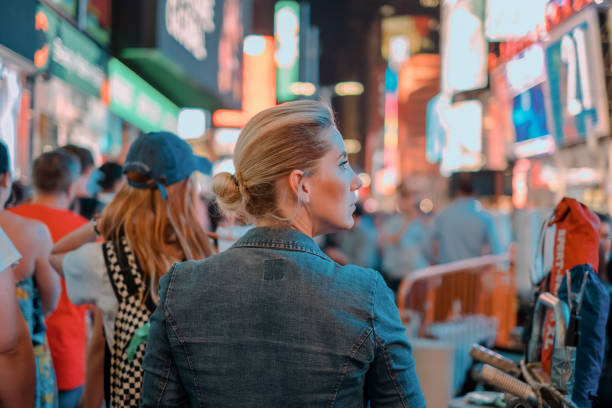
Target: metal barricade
483, 286
446, 309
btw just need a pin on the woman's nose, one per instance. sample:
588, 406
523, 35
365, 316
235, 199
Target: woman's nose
356, 182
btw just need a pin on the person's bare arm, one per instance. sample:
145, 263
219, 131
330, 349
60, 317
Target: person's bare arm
70, 242
17, 367
93, 392
47, 280
75, 239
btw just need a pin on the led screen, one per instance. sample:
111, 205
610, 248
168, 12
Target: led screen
464, 47
529, 114
508, 20
521, 88
577, 88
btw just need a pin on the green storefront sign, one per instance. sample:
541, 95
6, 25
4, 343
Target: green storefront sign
69, 54
134, 100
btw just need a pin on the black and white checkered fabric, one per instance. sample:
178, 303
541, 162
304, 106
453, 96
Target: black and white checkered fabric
127, 280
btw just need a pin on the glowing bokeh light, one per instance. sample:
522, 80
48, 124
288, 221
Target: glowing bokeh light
348, 88
254, 45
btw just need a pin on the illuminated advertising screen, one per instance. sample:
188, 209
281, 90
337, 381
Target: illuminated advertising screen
437, 112
529, 114
463, 147
464, 46
508, 20
558, 11
204, 39
520, 86
574, 63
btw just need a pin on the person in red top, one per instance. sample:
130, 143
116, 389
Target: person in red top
53, 176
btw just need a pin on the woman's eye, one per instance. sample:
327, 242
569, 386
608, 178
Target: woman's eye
344, 164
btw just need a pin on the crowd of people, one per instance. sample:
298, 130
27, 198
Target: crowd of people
409, 240
115, 288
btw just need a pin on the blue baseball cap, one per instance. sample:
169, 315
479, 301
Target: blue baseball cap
165, 158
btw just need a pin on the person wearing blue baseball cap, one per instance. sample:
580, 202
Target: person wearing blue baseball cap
151, 224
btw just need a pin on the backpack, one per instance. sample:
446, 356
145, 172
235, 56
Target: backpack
568, 237
123, 369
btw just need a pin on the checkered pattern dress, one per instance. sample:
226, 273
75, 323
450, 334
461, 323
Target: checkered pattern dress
126, 277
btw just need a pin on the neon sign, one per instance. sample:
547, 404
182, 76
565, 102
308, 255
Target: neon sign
69, 54
287, 36
258, 84
391, 133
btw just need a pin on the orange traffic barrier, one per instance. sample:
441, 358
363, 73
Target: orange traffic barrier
479, 286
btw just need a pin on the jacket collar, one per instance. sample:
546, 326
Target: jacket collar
279, 238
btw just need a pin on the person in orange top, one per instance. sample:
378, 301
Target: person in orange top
53, 176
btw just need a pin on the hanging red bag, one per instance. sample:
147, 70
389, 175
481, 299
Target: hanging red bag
576, 241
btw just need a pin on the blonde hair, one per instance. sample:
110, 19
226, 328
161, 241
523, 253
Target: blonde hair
272, 144
160, 232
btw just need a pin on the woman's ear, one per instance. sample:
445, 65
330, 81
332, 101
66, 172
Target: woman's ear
300, 184
306, 187
295, 181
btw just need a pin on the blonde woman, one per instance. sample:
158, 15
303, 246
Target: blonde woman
273, 321
149, 225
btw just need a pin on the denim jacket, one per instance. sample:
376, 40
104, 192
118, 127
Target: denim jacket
274, 322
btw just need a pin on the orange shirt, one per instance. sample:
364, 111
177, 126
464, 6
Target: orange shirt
66, 331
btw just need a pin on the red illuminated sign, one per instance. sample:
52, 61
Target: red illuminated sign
258, 83
557, 11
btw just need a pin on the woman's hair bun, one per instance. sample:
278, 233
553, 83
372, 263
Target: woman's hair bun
225, 187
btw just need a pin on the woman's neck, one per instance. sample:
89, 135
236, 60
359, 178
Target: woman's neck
297, 223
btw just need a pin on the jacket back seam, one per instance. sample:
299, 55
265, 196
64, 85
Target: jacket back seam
162, 391
381, 343
180, 339
356, 346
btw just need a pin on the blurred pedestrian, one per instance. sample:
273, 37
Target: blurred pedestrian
17, 367
85, 186
278, 323
38, 285
53, 176
463, 229
605, 247
360, 242
151, 223
404, 240
604, 394
110, 181
20, 194
357, 245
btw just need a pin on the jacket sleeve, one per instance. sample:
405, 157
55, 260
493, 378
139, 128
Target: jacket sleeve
392, 379
161, 383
